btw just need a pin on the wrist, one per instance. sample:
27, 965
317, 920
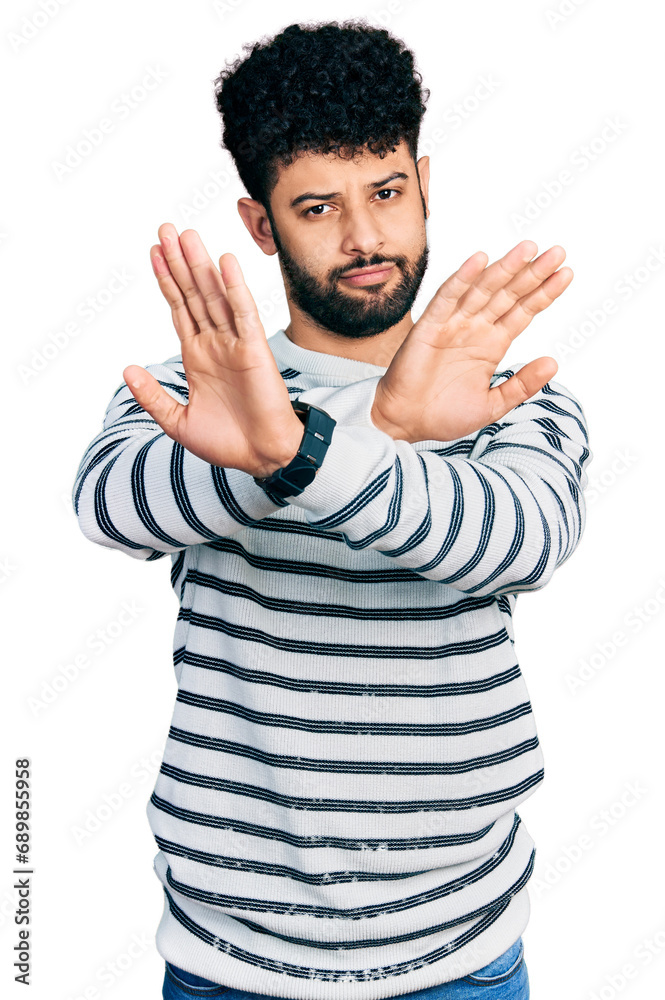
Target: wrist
387, 426
314, 439
291, 445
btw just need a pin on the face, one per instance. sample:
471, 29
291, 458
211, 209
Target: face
331, 216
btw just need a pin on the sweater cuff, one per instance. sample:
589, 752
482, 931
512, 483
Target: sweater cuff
356, 466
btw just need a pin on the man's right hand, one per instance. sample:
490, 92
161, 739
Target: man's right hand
239, 415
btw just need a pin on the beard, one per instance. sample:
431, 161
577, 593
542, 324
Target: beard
365, 312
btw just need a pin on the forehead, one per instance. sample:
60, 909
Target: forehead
327, 172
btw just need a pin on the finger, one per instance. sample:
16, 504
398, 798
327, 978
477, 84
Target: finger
209, 281
521, 386
154, 399
495, 277
183, 320
245, 314
526, 281
441, 307
518, 318
181, 271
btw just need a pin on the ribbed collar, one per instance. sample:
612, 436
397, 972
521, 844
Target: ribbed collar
290, 355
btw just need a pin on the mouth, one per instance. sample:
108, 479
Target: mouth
369, 275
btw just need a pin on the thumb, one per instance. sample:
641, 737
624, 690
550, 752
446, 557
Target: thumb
521, 386
153, 397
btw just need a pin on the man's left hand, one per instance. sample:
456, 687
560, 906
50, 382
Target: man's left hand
437, 386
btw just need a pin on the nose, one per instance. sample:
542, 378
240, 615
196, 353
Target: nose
361, 235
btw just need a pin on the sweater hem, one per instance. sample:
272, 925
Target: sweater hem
467, 948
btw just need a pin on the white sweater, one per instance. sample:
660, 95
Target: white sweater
352, 732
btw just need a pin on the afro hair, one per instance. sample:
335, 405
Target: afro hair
323, 87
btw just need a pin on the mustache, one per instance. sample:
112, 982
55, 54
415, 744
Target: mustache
373, 262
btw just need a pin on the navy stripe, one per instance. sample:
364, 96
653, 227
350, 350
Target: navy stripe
320, 804
299, 567
365, 497
103, 453
208, 581
216, 744
323, 685
101, 510
364, 728
463, 647
140, 497
310, 841
179, 487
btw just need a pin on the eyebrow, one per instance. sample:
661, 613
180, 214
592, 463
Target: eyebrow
311, 196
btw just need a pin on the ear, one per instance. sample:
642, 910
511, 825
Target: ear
255, 217
423, 173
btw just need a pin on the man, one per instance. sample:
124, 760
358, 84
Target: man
335, 811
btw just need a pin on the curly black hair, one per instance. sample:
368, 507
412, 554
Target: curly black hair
325, 87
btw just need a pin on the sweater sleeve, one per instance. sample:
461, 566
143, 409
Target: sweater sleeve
493, 513
140, 491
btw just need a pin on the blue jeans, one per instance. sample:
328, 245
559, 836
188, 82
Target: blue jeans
503, 979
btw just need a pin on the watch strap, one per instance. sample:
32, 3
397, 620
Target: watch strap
293, 478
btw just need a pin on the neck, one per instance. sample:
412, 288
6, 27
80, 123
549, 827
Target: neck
379, 349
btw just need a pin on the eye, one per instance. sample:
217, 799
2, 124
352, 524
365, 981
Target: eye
385, 191
308, 210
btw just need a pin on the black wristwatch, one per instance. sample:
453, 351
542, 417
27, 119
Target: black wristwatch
301, 470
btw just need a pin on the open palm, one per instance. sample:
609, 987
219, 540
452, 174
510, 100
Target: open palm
239, 413
438, 384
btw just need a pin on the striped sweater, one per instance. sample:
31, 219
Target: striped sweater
352, 731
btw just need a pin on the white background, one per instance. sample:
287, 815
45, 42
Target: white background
553, 82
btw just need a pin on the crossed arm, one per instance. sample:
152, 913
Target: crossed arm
490, 510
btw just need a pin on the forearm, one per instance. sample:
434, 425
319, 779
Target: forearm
496, 521
140, 491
